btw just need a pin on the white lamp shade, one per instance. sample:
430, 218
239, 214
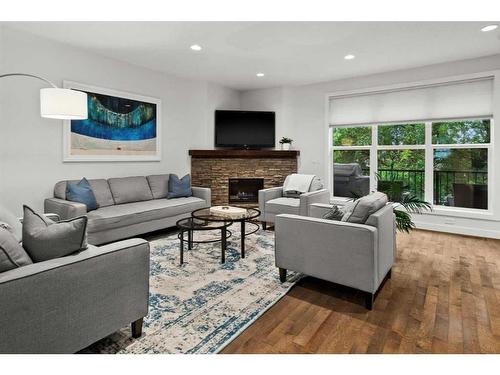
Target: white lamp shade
65, 104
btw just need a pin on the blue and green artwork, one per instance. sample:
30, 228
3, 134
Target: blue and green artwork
115, 126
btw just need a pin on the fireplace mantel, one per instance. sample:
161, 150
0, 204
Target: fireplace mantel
245, 154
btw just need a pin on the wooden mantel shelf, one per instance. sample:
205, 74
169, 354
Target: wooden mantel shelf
245, 154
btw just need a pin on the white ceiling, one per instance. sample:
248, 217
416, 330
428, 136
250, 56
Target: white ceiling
289, 53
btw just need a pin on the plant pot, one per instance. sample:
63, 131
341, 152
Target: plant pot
285, 146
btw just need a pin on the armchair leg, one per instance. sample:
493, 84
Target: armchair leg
264, 225
282, 274
369, 298
137, 328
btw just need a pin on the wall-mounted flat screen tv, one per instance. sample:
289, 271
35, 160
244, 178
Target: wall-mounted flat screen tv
244, 129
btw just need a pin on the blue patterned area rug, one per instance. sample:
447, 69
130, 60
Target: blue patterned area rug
201, 306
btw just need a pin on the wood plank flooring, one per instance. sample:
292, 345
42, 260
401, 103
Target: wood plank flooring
444, 297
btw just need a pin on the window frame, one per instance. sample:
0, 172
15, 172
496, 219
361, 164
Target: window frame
429, 148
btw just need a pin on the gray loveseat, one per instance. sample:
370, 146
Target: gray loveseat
65, 304
128, 206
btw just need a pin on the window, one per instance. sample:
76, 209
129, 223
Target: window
402, 134
401, 171
444, 162
461, 168
351, 161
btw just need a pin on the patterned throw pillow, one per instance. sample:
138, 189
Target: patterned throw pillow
335, 213
44, 239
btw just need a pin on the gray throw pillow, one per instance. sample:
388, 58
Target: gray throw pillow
335, 213
12, 255
44, 239
359, 211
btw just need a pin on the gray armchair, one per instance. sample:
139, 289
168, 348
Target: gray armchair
273, 202
356, 255
348, 179
65, 304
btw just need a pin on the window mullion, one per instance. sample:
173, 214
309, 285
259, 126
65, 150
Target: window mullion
374, 158
429, 164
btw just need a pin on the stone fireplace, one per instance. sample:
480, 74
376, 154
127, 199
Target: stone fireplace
216, 169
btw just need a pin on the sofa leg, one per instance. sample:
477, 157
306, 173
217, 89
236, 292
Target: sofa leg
137, 328
282, 274
264, 225
389, 274
369, 298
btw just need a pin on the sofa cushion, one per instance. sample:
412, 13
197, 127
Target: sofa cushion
359, 211
130, 189
132, 213
159, 185
12, 254
283, 206
100, 188
44, 239
81, 192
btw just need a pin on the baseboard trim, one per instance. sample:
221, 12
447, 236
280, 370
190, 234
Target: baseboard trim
467, 231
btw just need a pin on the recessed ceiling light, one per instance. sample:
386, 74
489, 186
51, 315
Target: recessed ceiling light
195, 47
260, 74
489, 28
349, 57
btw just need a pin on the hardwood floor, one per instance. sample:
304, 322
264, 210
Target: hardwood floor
443, 297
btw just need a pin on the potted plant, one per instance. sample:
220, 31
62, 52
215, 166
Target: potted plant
286, 143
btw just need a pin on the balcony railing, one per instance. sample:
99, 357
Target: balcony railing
413, 180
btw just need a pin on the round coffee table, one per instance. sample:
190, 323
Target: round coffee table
245, 218
191, 224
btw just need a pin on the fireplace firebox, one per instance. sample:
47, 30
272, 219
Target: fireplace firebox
245, 190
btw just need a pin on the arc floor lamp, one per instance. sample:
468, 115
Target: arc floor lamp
58, 103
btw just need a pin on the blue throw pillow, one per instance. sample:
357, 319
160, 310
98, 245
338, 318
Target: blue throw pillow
179, 187
81, 192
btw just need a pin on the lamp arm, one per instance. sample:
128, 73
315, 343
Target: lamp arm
28, 75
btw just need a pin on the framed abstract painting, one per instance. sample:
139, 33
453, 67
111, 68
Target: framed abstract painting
120, 126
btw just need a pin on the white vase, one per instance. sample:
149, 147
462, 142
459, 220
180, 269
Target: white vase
285, 146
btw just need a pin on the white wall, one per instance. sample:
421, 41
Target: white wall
304, 111
267, 100
219, 97
31, 147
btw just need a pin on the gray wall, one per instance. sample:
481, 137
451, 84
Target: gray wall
31, 146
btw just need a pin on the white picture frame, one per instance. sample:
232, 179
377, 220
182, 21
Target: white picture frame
115, 154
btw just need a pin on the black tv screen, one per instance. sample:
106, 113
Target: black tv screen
244, 129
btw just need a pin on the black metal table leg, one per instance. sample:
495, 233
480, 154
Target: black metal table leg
182, 247
243, 239
223, 245
190, 239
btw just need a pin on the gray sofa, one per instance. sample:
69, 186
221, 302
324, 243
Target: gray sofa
128, 206
65, 304
355, 255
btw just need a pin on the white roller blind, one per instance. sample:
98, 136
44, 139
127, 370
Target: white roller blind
451, 100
